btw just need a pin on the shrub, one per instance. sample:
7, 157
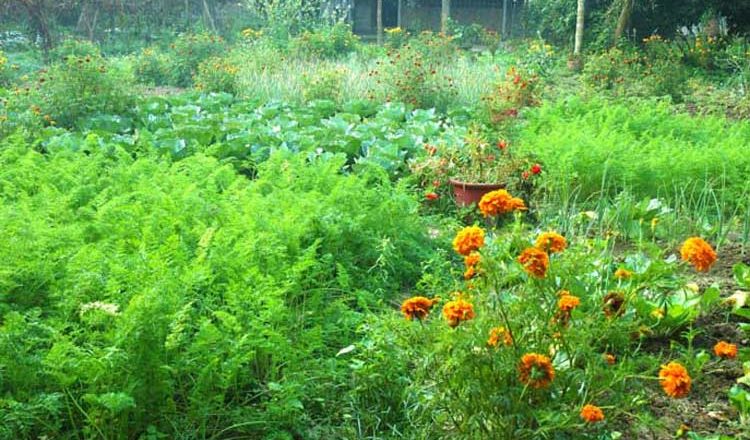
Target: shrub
518, 351
189, 51
80, 87
509, 96
396, 37
73, 47
153, 67
4, 69
656, 71
326, 42
326, 83
217, 74
413, 74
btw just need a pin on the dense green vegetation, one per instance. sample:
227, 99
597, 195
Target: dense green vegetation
213, 211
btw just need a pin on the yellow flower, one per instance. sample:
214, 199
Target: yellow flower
468, 240
497, 334
623, 274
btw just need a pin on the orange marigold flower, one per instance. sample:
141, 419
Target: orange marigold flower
675, 380
500, 202
551, 242
472, 259
470, 273
458, 310
609, 358
698, 253
725, 350
468, 240
417, 307
534, 261
568, 302
498, 333
592, 414
536, 370
613, 304
623, 274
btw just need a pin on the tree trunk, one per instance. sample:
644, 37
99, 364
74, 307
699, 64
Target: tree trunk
445, 15
504, 30
379, 20
580, 17
624, 19
39, 20
208, 18
400, 11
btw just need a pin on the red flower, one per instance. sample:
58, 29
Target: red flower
502, 144
432, 196
536, 169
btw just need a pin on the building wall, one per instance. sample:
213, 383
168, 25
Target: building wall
488, 13
428, 17
363, 17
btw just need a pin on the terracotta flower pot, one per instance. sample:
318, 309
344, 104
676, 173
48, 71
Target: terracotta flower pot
467, 193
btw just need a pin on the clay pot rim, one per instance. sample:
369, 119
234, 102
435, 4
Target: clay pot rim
456, 182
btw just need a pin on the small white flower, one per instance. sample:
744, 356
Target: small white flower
107, 308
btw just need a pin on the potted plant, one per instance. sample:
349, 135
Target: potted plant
472, 166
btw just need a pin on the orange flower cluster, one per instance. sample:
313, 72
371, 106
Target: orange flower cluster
551, 242
534, 261
468, 240
609, 358
417, 307
536, 370
592, 414
725, 350
471, 261
567, 302
498, 333
675, 380
623, 274
698, 253
500, 202
458, 310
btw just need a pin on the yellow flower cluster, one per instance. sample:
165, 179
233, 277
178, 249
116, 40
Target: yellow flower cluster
252, 34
